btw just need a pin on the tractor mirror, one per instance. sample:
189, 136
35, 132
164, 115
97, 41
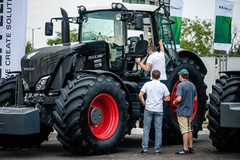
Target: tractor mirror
48, 28
138, 20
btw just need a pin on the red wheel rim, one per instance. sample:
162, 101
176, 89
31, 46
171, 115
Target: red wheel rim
110, 116
174, 107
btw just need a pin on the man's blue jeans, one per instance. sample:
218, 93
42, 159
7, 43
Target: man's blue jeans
147, 120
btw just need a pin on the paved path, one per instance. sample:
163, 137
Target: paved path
129, 149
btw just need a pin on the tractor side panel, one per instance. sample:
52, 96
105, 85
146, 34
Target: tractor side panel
136, 105
97, 58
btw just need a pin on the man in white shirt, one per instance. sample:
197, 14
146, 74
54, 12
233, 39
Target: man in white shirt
155, 92
156, 60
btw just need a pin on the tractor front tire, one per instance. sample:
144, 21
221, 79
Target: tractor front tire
7, 91
91, 115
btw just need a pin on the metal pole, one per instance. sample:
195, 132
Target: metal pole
33, 34
32, 37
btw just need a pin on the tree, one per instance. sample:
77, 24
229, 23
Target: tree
58, 39
197, 35
28, 47
235, 48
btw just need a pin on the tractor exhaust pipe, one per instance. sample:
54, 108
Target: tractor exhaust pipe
65, 28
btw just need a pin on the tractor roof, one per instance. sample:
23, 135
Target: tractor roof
133, 7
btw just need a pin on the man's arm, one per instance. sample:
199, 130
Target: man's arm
146, 67
195, 98
140, 95
161, 45
177, 100
166, 98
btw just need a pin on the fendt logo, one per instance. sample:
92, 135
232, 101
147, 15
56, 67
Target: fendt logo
225, 8
176, 8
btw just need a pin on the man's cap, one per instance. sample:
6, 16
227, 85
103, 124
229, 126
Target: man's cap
183, 72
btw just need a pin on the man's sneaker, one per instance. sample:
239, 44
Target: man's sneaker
143, 152
182, 152
190, 149
157, 153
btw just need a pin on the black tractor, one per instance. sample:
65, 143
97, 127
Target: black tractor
88, 91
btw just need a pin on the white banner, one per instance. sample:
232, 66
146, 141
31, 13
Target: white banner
223, 25
224, 8
176, 8
13, 17
176, 11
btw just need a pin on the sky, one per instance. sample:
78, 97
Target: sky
41, 11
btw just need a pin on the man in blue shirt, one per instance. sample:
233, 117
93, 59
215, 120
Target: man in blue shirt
186, 95
156, 92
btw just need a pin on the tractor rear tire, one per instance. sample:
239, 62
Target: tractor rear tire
7, 91
7, 98
226, 89
171, 130
79, 129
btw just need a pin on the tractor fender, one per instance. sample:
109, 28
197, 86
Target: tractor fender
103, 72
195, 58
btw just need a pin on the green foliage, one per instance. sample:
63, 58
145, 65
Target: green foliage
235, 48
28, 47
58, 39
197, 36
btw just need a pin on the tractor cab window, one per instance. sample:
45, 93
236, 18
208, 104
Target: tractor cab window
104, 26
139, 35
137, 42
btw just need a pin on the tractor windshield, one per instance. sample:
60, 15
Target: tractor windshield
102, 25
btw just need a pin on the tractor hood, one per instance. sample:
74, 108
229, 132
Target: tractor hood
41, 62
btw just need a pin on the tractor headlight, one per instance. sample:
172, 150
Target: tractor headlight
42, 83
25, 85
114, 5
81, 9
118, 6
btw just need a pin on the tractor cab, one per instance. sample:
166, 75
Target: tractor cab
127, 29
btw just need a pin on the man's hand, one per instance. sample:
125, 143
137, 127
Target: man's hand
166, 98
145, 67
137, 60
160, 42
177, 100
174, 102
